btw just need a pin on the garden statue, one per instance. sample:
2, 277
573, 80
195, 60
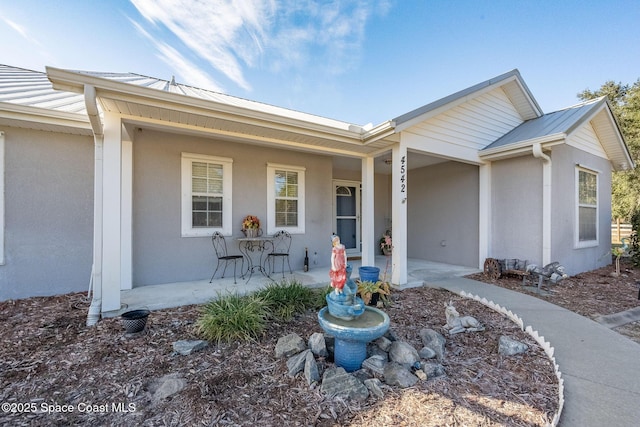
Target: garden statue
456, 324
338, 272
342, 301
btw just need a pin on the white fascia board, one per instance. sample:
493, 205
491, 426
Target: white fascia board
521, 147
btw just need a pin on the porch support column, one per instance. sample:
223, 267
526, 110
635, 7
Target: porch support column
111, 214
367, 213
484, 214
127, 211
399, 202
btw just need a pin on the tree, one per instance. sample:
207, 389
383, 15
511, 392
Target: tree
625, 103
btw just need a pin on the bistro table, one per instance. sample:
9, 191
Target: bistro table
254, 249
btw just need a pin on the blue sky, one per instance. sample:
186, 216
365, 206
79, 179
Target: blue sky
358, 61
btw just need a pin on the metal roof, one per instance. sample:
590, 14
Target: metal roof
33, 89
559, 123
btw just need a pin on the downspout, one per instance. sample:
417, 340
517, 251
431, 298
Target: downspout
546, 201
95, 309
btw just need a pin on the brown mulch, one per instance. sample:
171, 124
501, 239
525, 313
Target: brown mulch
49, 357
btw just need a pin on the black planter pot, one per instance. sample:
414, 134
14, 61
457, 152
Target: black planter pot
374, 299
135, 321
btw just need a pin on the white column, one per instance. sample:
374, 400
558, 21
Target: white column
1, 198
127, 214
484, 214
367, 213
399, 202
112, 210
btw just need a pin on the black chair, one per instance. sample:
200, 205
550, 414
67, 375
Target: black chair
220, 248
281, 242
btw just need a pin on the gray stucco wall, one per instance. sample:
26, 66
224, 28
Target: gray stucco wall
563, 250
443, 213
161, 255
516, 209
48, 213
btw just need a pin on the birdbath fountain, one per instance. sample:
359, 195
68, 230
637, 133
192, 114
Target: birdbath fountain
346, 317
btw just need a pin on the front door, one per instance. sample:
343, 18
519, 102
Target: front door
347, 214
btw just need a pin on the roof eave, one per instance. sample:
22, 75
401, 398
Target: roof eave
521, 148
44, 115
75, 82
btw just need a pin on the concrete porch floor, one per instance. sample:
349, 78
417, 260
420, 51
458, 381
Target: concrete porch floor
168, 295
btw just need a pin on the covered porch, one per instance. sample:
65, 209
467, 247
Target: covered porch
169, 295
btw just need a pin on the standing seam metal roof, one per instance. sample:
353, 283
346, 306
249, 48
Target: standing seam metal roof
558, 122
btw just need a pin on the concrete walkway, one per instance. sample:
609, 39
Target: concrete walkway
600, 368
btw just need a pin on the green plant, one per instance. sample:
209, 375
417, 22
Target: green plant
635, 238
233, 317
367, 288
286, 299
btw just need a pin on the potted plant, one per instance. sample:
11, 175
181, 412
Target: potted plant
251, 226
371, 292
386, 244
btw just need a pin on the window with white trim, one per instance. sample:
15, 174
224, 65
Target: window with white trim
206, 195
587, 207
285, 198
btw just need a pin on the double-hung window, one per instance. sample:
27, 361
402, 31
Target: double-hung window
587, 207
206, 195
285, 198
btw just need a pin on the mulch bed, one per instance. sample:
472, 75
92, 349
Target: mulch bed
49, 357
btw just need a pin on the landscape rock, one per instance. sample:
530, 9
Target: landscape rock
427, 353
311, 372
432, 370
375, 364
297, 362
398, 375
434, 340
336, 382
510, 347
166, 386
289, 345
403, 353
384, 343
374, 350
318, 345
375, 387
186, 347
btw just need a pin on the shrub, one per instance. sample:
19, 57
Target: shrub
286, 299
233, 317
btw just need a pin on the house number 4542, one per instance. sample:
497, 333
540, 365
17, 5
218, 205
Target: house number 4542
403, 174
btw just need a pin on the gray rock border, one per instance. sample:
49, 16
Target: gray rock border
546, 346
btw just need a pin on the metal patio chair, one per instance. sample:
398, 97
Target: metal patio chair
281, 245
220, 248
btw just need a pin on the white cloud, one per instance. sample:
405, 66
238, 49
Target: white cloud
189, 71
22, 31
281, 34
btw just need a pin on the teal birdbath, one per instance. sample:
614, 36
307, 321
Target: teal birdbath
351, 336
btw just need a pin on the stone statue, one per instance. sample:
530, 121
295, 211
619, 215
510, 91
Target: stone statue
456, 324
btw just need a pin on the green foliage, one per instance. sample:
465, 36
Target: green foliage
286, 299
635, 238
625, 103
233, 317
245, 317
